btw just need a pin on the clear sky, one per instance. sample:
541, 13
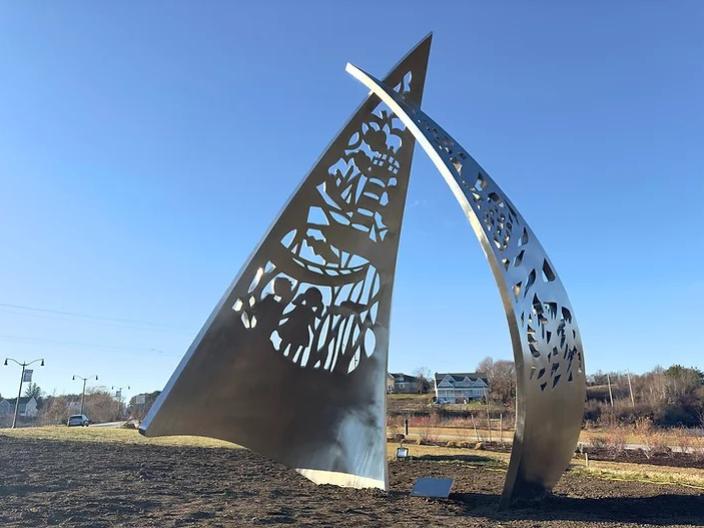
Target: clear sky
145, 147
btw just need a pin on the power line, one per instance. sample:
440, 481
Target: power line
118, 320
57, 342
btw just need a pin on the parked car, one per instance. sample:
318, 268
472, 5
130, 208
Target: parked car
78, 420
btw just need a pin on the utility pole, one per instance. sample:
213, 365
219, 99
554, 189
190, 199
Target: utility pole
118, 396
611, 394
24, 365
630, 389
83, 394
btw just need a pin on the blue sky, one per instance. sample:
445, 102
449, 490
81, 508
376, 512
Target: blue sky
145, 148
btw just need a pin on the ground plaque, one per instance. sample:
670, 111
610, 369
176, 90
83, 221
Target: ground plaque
438, 488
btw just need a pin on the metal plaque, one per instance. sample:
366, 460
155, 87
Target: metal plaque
432, 487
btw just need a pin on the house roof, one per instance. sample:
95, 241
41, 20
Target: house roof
403, 378
24, 400
458, 377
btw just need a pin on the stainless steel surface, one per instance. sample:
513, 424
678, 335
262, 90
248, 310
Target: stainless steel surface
546, 343
292, 361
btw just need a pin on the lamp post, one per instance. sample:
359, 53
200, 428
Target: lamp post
24, 365
83, 394
118, 397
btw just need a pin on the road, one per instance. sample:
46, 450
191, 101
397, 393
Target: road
113, 425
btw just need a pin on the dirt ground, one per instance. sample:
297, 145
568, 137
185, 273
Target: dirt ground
55, 483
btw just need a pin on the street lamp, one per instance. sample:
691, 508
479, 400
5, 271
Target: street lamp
83, 394
118, 397
19, 393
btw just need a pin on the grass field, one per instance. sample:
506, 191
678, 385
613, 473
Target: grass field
105, 434
691, 477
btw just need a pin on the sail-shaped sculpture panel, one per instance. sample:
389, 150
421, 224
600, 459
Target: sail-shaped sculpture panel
292, 361
546, 341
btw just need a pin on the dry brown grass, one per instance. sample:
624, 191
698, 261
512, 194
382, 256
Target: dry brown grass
106, 434
616, 440
654, 441
604, 470
684, 440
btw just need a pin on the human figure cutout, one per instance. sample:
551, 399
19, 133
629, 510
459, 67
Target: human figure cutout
270, 309
294, 332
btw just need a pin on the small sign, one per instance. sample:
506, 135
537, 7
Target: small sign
140, 399
432, 487
27, 376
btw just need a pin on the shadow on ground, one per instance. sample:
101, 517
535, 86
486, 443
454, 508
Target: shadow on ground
657, 510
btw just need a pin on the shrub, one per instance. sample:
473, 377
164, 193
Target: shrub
654, 441
426, 437
676, 415
599, 442
616, 440
684, 439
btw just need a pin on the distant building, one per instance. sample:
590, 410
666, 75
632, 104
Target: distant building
460, 387
402, 383
390, 383
5, 408
27, 408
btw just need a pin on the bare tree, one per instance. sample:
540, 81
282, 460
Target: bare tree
423, 379
140, 404
501, 375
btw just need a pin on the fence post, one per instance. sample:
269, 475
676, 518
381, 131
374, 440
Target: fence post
501, 428
488, 423
488, 416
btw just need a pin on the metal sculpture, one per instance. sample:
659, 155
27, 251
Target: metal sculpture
546, 342
292, 361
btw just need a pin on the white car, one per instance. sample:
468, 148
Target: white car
78, 420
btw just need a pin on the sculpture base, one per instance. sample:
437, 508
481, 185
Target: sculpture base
346, 480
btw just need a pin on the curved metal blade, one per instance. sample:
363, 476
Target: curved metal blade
547, 346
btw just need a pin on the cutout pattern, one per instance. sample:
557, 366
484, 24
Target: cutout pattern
550, 337
546, 343
317, 300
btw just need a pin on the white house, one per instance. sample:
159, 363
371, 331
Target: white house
460, 387
5, 408
27, 408
403, 383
